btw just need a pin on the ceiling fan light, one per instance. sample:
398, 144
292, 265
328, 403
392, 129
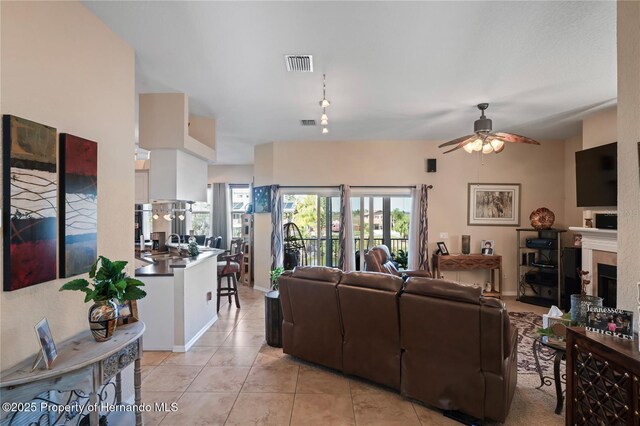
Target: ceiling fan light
325, 130
468, 147
497, 144
487, 148
477, 145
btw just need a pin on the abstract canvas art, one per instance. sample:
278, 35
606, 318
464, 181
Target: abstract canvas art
78, 205
29, 202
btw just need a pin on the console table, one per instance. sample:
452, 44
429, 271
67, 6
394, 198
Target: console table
469, 262
603, 379
82, 375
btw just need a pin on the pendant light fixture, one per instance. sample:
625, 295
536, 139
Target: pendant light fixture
324, 103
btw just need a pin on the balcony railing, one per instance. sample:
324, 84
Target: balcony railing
317, 249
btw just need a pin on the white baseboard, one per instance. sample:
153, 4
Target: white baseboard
262, 289
194, 339
509, 293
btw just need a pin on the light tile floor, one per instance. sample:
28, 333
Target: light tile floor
232, 377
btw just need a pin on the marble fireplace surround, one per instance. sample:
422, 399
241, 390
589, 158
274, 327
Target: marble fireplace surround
598, 246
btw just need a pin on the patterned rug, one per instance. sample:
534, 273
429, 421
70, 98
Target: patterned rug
527, 324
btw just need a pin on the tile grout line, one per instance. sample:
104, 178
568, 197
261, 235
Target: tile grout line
353, 409
295, 393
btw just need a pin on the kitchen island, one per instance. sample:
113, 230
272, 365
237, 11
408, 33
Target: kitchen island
179, 306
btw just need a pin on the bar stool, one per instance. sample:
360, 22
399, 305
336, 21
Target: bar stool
228, 267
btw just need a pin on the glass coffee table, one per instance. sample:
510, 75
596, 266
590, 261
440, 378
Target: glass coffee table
559, 348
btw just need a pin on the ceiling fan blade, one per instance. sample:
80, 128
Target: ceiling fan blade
469, 139
513, 138
455, 141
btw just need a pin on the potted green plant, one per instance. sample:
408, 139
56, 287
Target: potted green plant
110, 285
273, 311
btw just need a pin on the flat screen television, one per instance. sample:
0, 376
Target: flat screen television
597, 176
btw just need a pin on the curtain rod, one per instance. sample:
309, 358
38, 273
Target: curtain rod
354, 186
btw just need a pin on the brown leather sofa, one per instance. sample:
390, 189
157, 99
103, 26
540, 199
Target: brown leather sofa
378, 259
435, 341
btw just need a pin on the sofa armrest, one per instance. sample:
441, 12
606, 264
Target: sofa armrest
417, 273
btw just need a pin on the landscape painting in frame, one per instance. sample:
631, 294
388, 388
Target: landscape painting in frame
78, 204
494, 204
29, 202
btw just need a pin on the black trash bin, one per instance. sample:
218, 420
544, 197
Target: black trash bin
273, 319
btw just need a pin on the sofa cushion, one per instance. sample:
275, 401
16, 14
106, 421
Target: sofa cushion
320, 273
374, 280
443, 289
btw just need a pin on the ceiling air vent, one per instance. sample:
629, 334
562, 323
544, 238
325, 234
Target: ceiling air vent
308, 122
299, 63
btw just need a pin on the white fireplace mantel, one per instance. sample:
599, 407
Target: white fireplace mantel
595, 240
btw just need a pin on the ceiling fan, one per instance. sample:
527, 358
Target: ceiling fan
484, 139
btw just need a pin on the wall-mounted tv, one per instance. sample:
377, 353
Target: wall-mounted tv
597, 176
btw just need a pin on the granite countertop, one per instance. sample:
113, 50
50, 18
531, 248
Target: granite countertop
165, 267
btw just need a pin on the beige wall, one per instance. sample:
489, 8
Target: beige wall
540, 171
63, 67
628, 126
572, 213
231, 174
599, 128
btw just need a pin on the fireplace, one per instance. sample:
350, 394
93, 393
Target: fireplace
607, 284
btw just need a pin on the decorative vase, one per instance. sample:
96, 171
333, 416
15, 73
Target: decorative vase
466, 244
103, 317
580, 304
542, 218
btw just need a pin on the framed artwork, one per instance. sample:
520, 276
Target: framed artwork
493, 204
47, 345
443, 248
486, 248
78, 205
127, 312
29, 213
262, 199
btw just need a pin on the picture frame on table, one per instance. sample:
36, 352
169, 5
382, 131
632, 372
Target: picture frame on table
48, 351
487, 248
493, 204
127, 311
442, 248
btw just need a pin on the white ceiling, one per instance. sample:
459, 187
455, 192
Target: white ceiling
395, 70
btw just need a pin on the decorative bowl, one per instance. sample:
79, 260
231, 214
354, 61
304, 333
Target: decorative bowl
542, 218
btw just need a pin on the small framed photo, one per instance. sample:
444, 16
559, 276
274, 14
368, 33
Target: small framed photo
486, 248
47, 345
443, 248
127, 312
577, 240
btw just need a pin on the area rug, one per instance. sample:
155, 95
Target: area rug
528, 323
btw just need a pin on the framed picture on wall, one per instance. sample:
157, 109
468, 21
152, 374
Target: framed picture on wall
493, 204
262, 199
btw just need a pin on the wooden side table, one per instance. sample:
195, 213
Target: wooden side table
470, 262
81, 376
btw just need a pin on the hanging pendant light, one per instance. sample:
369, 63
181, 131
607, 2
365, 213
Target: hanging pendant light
325, 130
324, 102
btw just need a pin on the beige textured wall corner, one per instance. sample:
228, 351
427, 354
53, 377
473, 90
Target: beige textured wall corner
61, 66
231, 173
628, 167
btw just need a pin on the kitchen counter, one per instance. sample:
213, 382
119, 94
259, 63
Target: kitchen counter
180, 304
164, 268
